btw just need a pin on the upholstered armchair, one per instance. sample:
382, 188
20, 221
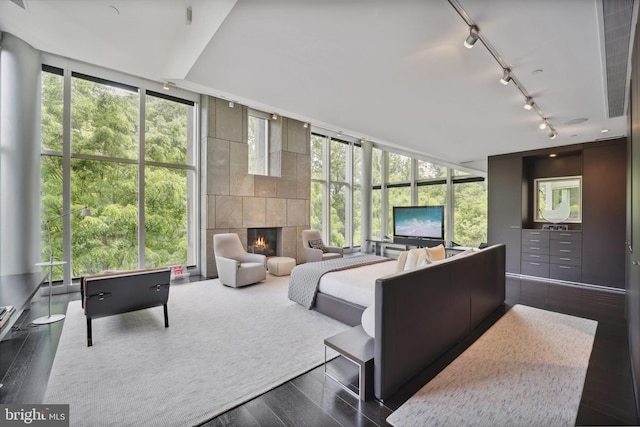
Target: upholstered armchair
237, 267
321, 252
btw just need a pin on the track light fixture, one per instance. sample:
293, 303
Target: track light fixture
274, 116
543, 124
529, 104
305, 125
506, 76
232, 104
472, 38
553, 134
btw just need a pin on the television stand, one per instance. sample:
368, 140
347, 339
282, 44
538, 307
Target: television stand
418, 241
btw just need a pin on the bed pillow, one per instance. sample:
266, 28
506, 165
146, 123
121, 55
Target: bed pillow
437, 253
368, 321
415, 258
402, 259
317, 244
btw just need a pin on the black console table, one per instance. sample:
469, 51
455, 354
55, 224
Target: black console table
18, 290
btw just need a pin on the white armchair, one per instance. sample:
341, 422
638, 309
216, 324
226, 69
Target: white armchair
312, 254
237, 267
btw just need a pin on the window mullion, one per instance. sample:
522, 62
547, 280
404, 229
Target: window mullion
66, 178
141, 181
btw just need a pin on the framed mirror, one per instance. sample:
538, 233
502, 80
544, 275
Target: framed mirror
558, 199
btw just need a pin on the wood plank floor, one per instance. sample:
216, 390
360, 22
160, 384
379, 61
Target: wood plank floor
26, 357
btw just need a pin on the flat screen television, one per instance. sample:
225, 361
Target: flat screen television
425, 222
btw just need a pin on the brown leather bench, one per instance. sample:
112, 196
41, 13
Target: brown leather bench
122, 292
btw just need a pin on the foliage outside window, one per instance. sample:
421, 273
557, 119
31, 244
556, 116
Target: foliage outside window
470, 213
258, 141
107, 175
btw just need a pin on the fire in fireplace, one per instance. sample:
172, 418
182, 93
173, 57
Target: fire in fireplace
262, 241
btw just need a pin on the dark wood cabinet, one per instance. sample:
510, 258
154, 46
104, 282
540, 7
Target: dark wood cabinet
505, 207
604, 209
592, 251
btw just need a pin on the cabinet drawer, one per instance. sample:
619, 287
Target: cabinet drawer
565, 260
566, 236
565, 244
535, 257
567, 251
532, 268
535, 237
565, 272
536, 249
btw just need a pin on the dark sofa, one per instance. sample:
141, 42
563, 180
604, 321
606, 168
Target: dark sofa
421, 313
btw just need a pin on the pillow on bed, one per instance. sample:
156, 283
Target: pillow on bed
437, 253
368, 321
402, 260
317, 244
415, 258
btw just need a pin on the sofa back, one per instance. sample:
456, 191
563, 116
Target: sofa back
421, 313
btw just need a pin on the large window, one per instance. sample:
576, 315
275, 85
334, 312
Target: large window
336, 167
258, 141
136, 172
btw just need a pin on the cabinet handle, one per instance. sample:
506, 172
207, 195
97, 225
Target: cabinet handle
534, 232
535, 256
515, 226
565, 243
565, 259
565, 267
534, 263
564, 234
535, 240
565, 250
533, 248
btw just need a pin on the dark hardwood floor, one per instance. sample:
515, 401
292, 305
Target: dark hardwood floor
26, 357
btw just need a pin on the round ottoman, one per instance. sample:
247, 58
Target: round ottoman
280, 265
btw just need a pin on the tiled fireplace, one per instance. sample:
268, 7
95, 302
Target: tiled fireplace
263, 241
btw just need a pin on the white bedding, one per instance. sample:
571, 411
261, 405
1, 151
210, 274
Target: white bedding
356, 285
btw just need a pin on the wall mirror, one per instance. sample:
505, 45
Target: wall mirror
558, 199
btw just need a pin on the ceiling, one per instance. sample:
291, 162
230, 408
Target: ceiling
395, 72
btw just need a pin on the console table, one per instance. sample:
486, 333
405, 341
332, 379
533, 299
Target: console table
18, 290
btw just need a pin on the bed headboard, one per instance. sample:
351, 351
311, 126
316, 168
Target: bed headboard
421, 313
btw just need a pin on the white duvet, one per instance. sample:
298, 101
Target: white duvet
356, 285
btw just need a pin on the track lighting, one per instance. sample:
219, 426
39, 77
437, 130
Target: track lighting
232, 104
472, 38
166, 86
553, 134
529, 104
506, 76
274, 116
543, 124
305, 125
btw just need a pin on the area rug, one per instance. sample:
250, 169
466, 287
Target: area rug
527, 369
224, 346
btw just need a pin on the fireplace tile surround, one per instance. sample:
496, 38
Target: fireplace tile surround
233, 200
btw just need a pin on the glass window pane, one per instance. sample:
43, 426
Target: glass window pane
432, 195
168, 126
317, 143
104, 120
398, 196
376, 167
376, 214
167, 225
357, 212
51, 207
317, 191
399, 168
338, 217
258, 140
470, 213
428, 170
108, 239
52, 101
338, 153
357, 164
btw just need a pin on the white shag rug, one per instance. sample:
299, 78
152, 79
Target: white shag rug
527, 369
223, 346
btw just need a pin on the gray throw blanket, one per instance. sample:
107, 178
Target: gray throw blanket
305, 278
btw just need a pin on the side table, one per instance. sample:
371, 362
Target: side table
356, 346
